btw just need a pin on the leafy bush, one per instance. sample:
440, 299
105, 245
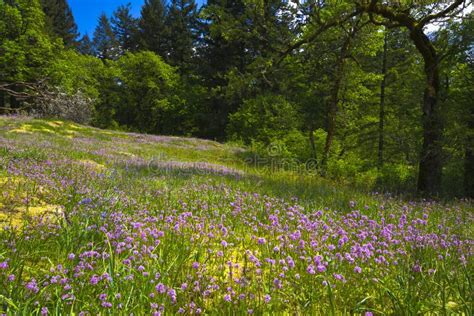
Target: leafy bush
269, 124
397, 177
263, 119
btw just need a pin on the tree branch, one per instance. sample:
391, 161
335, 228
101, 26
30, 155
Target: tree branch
403, 18
322, 28
23, 91
440, 14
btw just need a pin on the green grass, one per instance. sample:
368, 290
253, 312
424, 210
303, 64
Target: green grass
185, 208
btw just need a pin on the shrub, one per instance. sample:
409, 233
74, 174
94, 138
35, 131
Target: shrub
76, 107
263, 119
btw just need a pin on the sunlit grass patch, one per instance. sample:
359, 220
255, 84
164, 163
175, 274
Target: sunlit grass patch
22, 199
20, 216
92, 164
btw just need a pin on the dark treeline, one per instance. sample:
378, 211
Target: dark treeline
374, 92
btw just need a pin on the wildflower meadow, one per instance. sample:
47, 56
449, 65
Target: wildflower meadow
97, 222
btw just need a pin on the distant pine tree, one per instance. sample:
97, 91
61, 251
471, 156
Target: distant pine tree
125, 28
153, 29
219, 52
60, 21
85, 46
182, 23
105, 45
238, 38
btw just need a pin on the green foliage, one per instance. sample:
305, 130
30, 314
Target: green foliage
60, 21
182, 23
240, 39
25, 48
105, 105
73, 72
125, 28
263, 119
271, 125
105, 44
153, 30
258, 72
145, 86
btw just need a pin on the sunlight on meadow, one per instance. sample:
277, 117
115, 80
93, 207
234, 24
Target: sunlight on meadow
96, 224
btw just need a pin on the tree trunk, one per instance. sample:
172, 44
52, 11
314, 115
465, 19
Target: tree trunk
430, 167
313, 144
382, 104
469, 158
332, 113
2, 103
14, 103
333, 103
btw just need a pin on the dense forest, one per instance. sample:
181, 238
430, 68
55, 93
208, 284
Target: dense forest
375, 93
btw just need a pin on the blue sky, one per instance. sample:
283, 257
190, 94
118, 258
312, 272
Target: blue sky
86, 12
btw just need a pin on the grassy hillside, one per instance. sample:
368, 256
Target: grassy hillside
107, 222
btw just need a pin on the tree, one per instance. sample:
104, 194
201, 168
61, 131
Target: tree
266, 118
469, 147
382, 103
153, 31
415, 19
72, 72
147, 93
343, 54
271, 124
25, 48
182, 23
125, 28
401, 110
85, 46
60, 21
457, 106
238, 39
105, 44
218, 54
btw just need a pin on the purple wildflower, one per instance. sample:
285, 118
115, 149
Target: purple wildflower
267, 298
32, 286
160, 288
94, 279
